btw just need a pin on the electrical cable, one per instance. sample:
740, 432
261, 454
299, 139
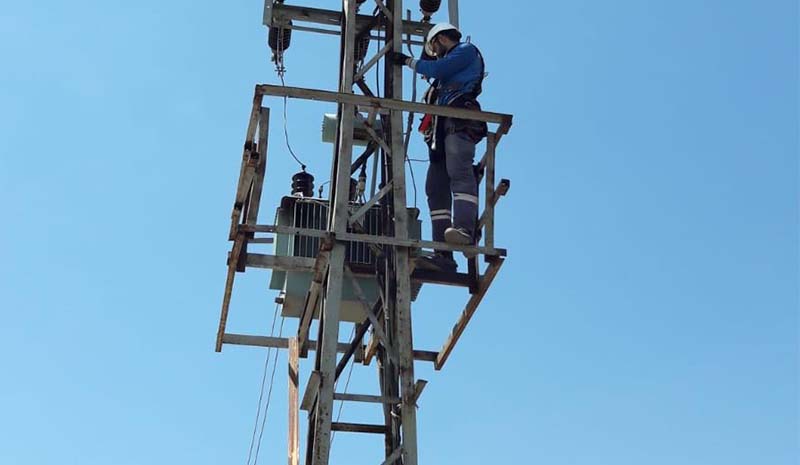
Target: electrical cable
269, 394
285, 126
281, 70
411, 118
263, 382
346, 385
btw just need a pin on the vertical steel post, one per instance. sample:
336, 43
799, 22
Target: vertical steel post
402, 275
340, 189
452, 7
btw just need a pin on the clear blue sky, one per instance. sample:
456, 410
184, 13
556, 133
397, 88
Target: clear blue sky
648, 312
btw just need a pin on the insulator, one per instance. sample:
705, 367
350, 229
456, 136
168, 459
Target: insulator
303, 185
429, 7
280, 38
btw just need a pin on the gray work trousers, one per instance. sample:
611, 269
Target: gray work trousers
452, 182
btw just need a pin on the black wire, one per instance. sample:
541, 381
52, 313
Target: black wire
413, 181
411, 120
269, 394
263, 382
346, 384
285, 128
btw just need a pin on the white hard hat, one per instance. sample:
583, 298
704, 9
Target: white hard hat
435, 30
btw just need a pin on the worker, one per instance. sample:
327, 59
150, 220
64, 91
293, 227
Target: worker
457, 69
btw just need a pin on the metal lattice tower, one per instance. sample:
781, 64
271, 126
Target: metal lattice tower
331, 270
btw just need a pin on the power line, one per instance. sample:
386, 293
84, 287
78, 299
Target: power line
286, 124
269, 395
263, 382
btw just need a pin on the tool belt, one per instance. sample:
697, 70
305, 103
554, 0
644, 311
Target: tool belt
437, 128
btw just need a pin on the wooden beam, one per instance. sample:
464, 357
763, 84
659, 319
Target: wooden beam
280, 263
227, 293
469, 311
249, 145
261, 167
383, 103
294, 404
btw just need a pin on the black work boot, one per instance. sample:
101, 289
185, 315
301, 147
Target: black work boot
438, 261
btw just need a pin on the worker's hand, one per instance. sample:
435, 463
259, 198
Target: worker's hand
399, 59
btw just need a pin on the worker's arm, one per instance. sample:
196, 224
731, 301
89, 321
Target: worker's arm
458, 59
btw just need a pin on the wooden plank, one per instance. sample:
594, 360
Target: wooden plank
366, 398
382, 103
469, 311
312, 388
280, 263
358, 428
226, 297
261, 167
294, 403
249, 145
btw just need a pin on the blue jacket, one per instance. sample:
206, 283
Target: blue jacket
459, 72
